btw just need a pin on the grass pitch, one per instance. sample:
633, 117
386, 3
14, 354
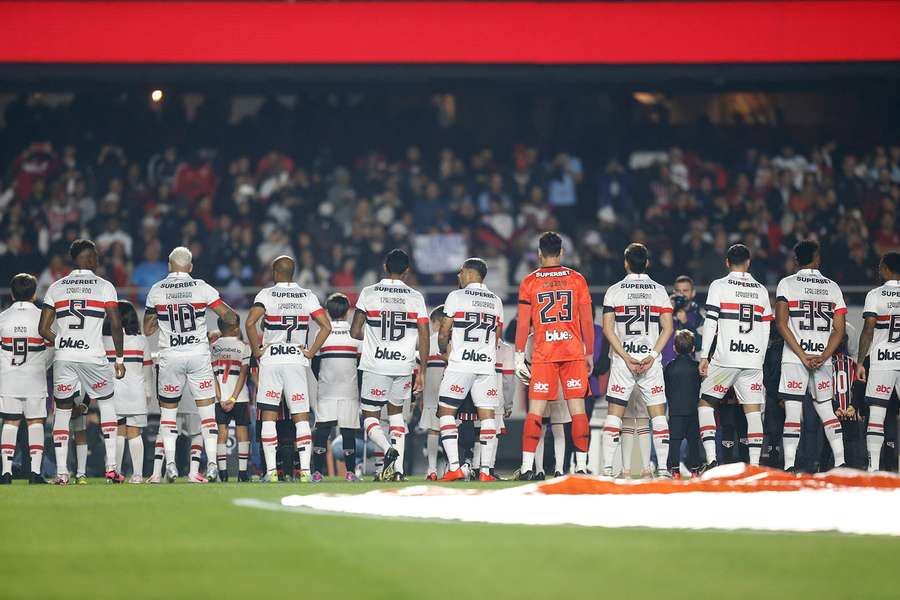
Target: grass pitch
190, 541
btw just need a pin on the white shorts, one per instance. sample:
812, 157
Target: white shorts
456, 385
377, 390
795, 382
747, 384
559, 413
343, 410
173, 372
622, 382
287, 379
30, 408
188, 424
879, 386
70, 377
133, 420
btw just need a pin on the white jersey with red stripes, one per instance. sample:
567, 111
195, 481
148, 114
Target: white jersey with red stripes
477, 315
286, 322
435, 370
393, 311
130, 393
228, 355
883, 303
813, 301
339, 357
24, 355
180, 303
738, 319
637, 302
80, 300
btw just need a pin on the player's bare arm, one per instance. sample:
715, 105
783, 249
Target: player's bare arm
356, 327
251, 327
423, 355
782, 315
225, 312
118, 338
865, 343
324, 324
609, 331
838, 330
48, 315
151, 323
444, 335
241, 382
666, 328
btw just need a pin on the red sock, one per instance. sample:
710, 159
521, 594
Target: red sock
581, 432
531, 434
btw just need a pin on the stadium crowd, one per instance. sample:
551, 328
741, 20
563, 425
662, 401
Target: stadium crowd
237, 210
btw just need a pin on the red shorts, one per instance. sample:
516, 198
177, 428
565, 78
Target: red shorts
546, 377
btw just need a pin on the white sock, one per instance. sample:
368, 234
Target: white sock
8, 437
375, 433
539, 451
120, 451
61, 439
754, 436
209, 429
833, 430
136, 451
559, 447
612, 432
627, 444
397, 430
660, 430
222, 456
243, 455
109, 428
159, 455
527, 461
707, 417
81, 451
793, 411
486, 437
875, 435
36, 446
431, 450
303, 443
196, 453
450, 440
269, 438
581, 459
168, 431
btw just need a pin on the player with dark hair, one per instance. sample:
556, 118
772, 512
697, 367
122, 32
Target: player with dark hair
637, 323
473, 321
682, 391
810, 315
79, 303
231, 366
392, 320
24, 360
338, 400
738, 320
284, 353
880, 341
555, 303
130, 392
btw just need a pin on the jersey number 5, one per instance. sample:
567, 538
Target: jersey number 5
549, 301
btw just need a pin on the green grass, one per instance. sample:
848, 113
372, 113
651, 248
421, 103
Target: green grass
185, 541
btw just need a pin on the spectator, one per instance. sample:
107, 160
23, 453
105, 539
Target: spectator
150, 270
687, 314
114, 234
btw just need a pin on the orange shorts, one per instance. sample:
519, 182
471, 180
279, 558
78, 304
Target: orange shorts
546, 377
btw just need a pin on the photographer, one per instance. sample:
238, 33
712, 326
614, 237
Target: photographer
687, 315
